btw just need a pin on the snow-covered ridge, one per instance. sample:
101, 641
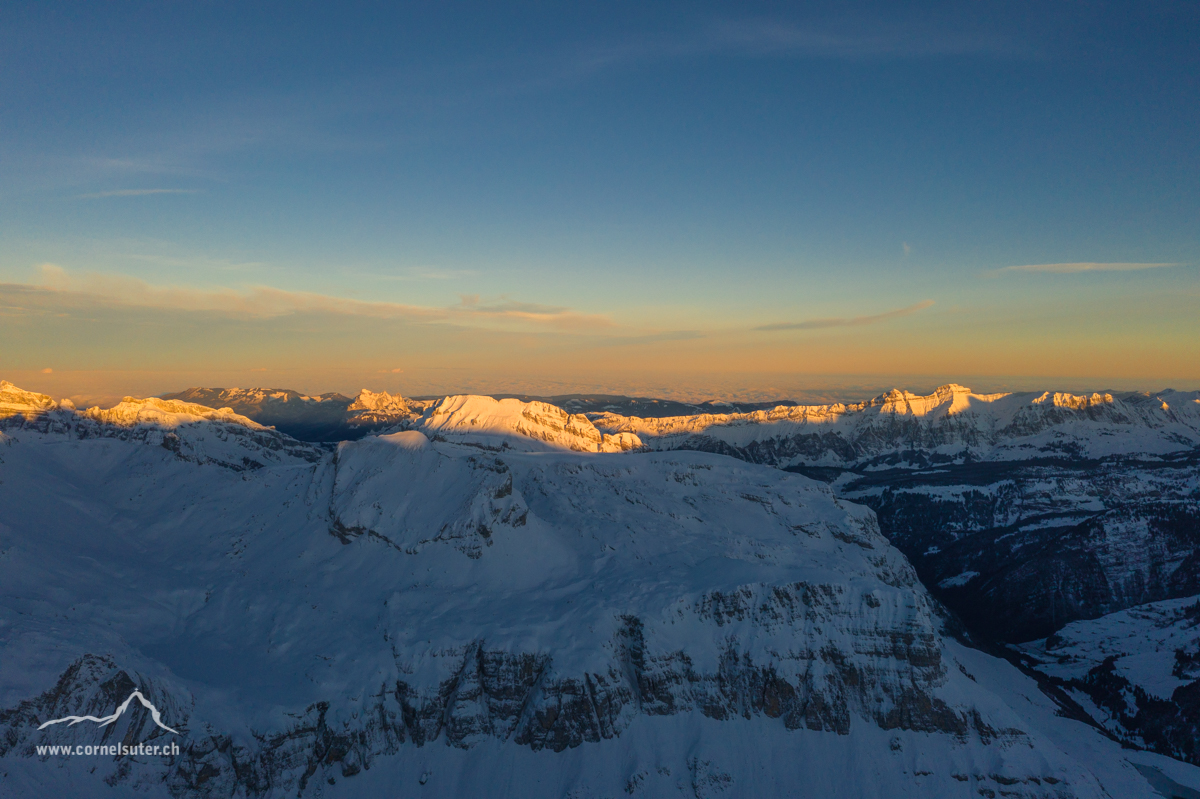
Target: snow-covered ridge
193, 432
512, 424
257, 396
129, 412
952, 420
133, 411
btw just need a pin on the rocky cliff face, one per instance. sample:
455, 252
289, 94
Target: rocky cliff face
1021, 548
521, 621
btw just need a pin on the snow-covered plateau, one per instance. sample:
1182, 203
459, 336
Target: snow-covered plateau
496, 599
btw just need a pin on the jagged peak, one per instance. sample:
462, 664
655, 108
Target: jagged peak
368, 400
1074, 401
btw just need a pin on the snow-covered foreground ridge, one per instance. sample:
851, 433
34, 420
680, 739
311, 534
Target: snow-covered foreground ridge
472, 616
951, 421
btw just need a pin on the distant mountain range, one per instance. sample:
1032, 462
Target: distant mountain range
336, 417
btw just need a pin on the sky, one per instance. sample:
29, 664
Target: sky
693, 200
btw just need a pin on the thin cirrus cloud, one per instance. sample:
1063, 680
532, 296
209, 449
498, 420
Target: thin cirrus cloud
1077, 268
854, 321
780, 38
101, 195
59, 288
553, 315
776, 37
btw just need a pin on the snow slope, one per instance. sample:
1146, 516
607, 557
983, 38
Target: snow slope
453, 617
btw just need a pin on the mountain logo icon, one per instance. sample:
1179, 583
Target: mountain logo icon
105, 721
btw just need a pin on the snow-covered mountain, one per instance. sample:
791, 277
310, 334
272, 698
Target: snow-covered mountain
509, 423
487, 606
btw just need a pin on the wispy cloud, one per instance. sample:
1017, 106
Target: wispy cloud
857, 41
194, 261
133, 193
1076, 268
552, 315
268, 302
854, 321
844, 40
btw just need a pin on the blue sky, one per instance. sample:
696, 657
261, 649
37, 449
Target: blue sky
538, 195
